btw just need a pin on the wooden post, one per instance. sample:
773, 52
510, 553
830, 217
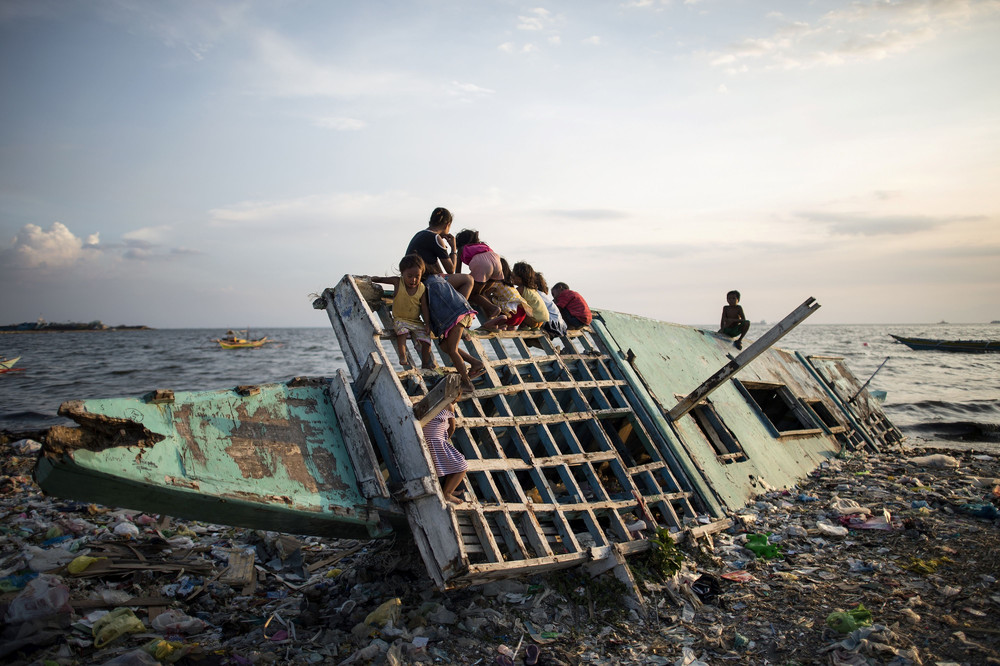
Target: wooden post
797, 316
443, 394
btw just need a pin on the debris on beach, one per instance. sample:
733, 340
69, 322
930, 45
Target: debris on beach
885, 558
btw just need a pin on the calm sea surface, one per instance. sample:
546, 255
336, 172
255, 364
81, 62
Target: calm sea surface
931, 395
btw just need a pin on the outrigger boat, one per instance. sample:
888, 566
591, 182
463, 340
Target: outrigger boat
7, 365
968, 346
579, 449
233, 341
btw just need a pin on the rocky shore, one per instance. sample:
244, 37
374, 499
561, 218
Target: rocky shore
875, 559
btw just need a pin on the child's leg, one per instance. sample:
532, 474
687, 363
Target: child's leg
401, 348
477, 300
451, 483
495, 324
451, 348
463, 283
426, 358
476, 367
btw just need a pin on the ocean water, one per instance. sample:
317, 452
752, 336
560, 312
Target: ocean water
930, 395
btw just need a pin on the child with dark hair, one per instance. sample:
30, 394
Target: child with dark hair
409, 310
573, 308
526, 280
484, 265
556, 326
734, 322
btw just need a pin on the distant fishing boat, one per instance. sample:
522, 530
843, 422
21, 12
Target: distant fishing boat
7, 365
967, 346
233, 341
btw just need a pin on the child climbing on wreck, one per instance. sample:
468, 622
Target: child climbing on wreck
410, 316
526, 280
734, 322
484, 265
506, 299
450, 315
449, 464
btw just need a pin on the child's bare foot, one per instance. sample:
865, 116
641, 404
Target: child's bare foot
467, 388
405, 365
454, 500
429, 365
477, 371
738, 344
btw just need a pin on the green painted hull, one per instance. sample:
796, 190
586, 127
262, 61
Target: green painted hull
266, 457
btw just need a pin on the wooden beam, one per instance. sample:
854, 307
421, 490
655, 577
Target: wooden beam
443, 394
779, 331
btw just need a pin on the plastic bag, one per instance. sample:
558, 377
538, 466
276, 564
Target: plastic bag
384, 614
43, 596
177, 622
847, 621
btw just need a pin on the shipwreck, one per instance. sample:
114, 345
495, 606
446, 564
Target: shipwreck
579, 448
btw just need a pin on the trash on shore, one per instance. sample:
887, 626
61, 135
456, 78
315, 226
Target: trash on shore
877, 559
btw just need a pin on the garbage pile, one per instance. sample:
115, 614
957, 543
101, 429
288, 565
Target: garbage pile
878, 559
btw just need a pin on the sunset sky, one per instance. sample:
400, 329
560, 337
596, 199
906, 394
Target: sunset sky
189, 164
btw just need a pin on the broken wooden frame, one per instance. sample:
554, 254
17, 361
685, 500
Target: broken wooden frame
562, 471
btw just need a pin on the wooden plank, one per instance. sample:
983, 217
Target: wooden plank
355, 435
443, 394
538, 419
760, 346
240, 570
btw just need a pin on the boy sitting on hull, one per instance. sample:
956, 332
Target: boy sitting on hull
734, 322
573, 308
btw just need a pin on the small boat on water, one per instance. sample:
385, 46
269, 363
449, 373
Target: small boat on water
234, 341
967, 346
7, 365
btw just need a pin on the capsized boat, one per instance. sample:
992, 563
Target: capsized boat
579, 448
968, 346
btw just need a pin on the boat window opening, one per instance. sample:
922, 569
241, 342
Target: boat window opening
563, 440
521, 404
470, 539
589, 435
564, 400
822, 413
726, 446
612, 477
504, 484
525, 531
477, 443
777, 405
588, 484
624, 437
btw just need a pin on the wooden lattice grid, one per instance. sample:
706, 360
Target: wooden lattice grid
560, 465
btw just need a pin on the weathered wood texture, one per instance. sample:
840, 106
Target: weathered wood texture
561, 470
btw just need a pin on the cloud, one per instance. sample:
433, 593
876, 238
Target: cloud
468, 92
537, 19
593, 40
865, 31
34, 247
588, 214
340, 124
862, 224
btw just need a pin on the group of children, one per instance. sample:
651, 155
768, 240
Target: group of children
434, 298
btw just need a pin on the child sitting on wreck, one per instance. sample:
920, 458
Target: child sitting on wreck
449, 464
526, 280
734, 322
505, 298
409, 310
484, 265
450, 315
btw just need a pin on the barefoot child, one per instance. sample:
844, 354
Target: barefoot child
408, 307
484, 265
734, 322
450, 314
449, 464
507, 301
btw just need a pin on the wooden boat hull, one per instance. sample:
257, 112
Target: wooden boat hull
269, 457
569, 446
964, 346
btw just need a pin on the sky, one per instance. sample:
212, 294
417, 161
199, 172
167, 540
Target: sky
214, 164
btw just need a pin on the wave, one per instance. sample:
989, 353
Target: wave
957, 431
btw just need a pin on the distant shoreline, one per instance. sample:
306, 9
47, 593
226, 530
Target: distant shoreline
76, 330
